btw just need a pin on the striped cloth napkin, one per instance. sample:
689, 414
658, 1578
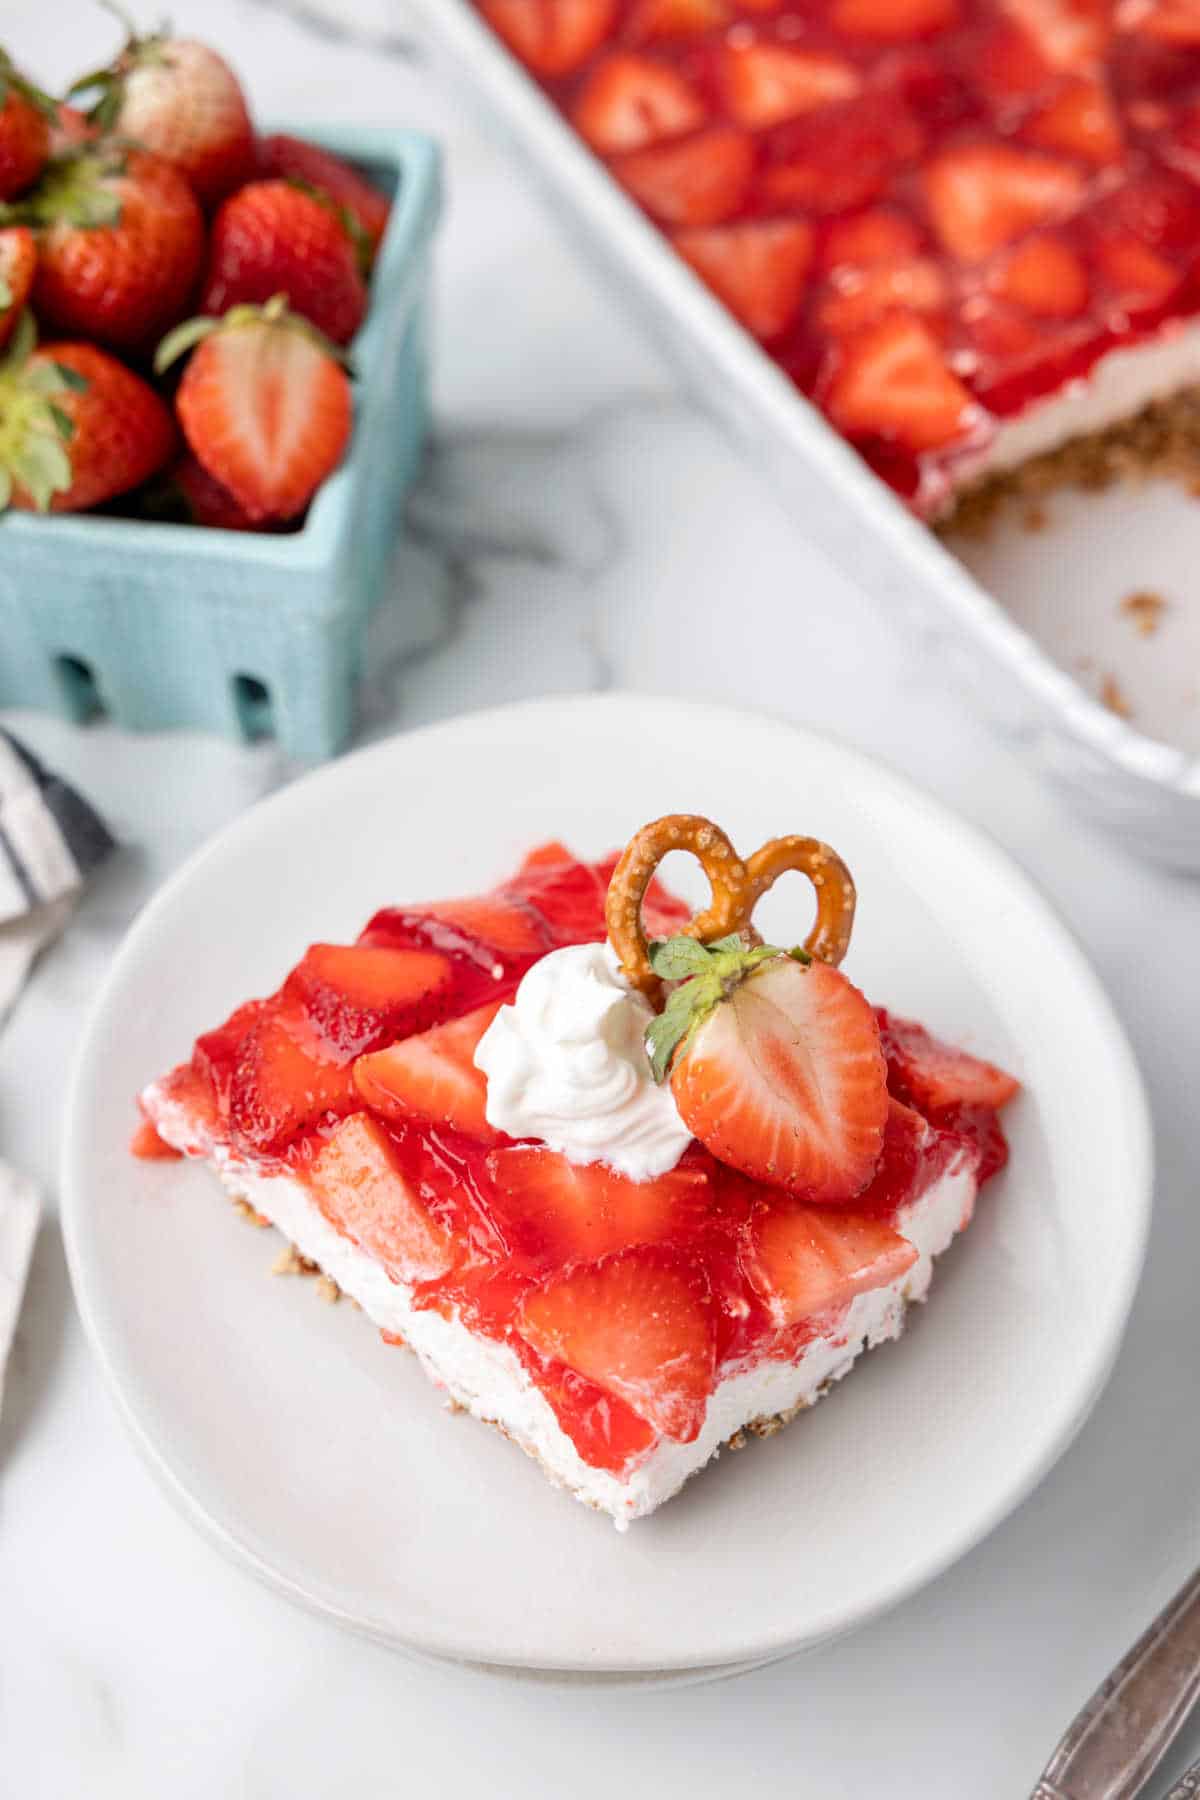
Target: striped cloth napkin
50, 840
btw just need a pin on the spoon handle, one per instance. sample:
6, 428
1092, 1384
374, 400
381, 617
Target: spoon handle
1113, 1746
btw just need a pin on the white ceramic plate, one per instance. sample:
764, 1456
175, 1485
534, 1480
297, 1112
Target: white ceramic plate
323, 1459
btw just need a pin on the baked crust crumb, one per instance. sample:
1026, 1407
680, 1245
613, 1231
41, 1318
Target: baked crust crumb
1163, 439
1145, 609
1112, 696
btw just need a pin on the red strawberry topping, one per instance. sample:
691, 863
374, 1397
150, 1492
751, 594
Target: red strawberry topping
571, 1212
768, 83
639, 1325
629, 102
360, 995
892, 382
700, 181
552, 36
931, 1074
759, 268
361, 1187
807, 1259
432, 1076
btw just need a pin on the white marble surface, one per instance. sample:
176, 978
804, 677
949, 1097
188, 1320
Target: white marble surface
576, 516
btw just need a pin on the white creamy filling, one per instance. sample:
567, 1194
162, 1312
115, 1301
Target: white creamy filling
567, 1063
1115, 388
487, 1379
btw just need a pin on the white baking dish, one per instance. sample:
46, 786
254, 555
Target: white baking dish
1147, 789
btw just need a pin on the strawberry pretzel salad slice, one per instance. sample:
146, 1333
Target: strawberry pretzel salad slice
630, 1182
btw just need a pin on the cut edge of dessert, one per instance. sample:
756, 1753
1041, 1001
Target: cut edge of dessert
967, 230
632, 1184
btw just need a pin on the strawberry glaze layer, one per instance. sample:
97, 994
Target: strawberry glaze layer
933, 213
494, 1234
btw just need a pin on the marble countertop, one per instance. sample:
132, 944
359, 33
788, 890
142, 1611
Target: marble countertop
573, 528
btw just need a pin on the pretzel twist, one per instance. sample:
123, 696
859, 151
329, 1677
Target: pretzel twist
737, 887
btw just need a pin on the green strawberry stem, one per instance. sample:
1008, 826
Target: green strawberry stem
707, 974
34, 428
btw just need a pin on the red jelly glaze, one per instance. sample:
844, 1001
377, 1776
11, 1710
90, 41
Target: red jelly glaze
499, 1257
1106, 103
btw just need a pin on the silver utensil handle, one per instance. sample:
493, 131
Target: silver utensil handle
1114, 1745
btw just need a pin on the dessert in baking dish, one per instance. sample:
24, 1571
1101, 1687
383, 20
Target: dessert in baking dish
967, 229
631, 1183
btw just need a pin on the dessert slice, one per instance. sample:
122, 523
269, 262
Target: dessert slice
968, 230
631, 1184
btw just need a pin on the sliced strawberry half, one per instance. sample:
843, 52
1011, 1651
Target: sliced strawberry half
891, 382
700, 181
629, 102
359, 995
650, 21
361, 1187
552, 37
285, 1079
433, 1077
779, 1072
1172, 22
758, 268
565, 893
640, 1325
891, 20
567, 1212
1138, 278
930, 1074
803, 1260
767, 83
1080, 120
215, 1053
983, 196
1046, 275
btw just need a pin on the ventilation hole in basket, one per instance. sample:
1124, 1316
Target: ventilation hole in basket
78, 683
252, 698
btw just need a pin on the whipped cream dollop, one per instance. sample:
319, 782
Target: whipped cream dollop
567, 1063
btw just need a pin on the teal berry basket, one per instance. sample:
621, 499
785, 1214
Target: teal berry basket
159, 624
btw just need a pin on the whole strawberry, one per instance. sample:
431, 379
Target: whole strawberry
181, 100
274, 238
18, 260
264, 404
120, 242
80, 428
25, 115
294, 159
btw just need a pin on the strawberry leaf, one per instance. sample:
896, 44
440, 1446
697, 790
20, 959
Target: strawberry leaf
674, 959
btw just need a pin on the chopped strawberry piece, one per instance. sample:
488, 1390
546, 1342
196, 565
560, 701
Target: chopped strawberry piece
607, 1433
361, 1187
879, 235
215, 1053
567, 895
566, 1212
982, 196
891, 382
856, 297
552, 37
629, 102
807, 1259
758, 268
1068, 33
1080, 120
1044, 275
830, 161
150, 1147
640, 1326
915, 1153
285, 1079
980, 1129
360, 995
1138, 277
892, 19
767, 83
930, 1074
432, 1076
785, 1081
652, 20
700, 181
